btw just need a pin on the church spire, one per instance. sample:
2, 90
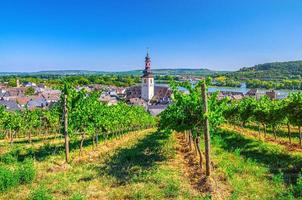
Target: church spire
147, 89
147, 62
148, 52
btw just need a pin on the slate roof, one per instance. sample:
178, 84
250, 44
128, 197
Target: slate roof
138, 102
10, 105
111, 100
51, 95
156, 109
252, 92
37, 103
133, 92
160, 92
15, 92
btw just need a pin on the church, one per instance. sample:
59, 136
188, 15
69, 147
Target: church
147, 86
148, 94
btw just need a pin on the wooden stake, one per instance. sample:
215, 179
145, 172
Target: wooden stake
206, 128
66, 137
289, 133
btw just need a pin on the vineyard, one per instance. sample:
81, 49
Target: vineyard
230, 123
200, 147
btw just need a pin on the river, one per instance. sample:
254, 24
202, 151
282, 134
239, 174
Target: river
280, 93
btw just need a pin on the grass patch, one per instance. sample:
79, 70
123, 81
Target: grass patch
255, 169
77, 196
26, 171
13, 175
40, 194
146, 170
281, 132
7, 178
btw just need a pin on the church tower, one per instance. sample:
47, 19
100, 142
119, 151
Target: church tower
147, 80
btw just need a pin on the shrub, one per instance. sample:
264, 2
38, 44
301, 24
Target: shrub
7, 179
298, 187
278, 178
40, 194
77, 196
26, 171
8, 159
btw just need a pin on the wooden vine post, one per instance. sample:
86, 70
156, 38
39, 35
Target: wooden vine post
300, 136
66, 137
206, 127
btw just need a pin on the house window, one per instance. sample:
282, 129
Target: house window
145, 81
150, 80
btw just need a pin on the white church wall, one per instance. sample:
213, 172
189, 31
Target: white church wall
147, 88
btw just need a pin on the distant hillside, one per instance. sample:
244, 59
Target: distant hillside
53, 72
183, 72
270, 71
67, 72
194, 72
200, 72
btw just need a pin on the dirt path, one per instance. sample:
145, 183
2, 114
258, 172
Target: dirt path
219, 188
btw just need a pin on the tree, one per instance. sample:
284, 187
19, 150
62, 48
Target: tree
12, 123
246, 109
231, 113
274, 117
293, 110
261, 112
30, 91
187, 113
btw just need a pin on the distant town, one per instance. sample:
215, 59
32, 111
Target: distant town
153, 97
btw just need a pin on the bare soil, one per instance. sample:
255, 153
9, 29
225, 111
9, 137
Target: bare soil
217, 186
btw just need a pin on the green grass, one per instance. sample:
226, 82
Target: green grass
145, 165
254, 169
281, 132
145, 171
138, 165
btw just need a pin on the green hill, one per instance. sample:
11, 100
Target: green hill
271, 71
183, 72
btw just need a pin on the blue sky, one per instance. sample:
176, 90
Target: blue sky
112, 35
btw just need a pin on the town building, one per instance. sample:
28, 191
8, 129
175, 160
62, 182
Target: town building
147, 80
109, 98
28, 84
271, 94
157, 109
231, 95
15, 98
10, 105
148, 94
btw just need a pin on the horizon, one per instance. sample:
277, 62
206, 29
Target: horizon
141, 69
180, 68
113, 36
